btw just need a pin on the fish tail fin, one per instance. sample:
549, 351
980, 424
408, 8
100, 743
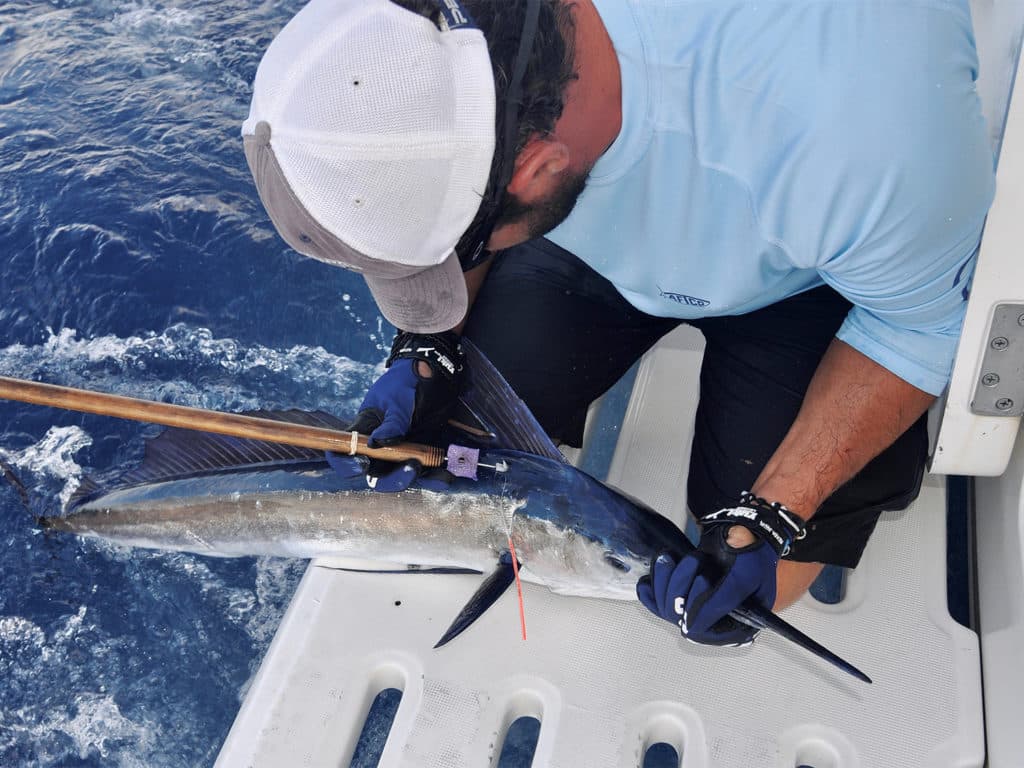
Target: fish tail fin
12, 477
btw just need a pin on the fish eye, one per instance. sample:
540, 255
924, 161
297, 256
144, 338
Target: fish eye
613, 560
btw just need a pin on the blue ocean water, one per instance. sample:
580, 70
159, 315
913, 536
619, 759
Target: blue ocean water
135, 258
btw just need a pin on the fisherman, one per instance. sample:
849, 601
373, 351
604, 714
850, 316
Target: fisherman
805, 183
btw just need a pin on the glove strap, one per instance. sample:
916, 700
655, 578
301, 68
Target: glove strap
770, 521
441, 351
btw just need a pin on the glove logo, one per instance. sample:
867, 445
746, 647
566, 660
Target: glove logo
744, 512
680, 606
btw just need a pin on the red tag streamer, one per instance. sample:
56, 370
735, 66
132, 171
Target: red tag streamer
519, 585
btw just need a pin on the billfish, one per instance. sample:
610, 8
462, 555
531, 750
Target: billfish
229, 497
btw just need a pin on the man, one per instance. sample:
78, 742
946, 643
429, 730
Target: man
805, 182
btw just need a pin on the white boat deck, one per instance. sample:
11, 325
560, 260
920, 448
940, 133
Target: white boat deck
606, 680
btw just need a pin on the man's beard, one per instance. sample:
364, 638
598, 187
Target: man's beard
544, 216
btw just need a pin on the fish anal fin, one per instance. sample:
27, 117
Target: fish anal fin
356, 567
493, 587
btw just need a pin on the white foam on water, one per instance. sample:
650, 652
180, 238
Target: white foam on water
84, 722
83, 718
276, 579
234, 603
97, 726
97, 721
18, 633
126, 366
136, 16
181, 203
53, 457
155, 35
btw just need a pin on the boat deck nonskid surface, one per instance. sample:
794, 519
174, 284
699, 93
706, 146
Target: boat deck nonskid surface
606, 679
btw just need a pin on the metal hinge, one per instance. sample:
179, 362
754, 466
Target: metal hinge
1000, 388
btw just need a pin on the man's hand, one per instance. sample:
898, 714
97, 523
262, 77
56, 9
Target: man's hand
387, 476
416, 393
737, 558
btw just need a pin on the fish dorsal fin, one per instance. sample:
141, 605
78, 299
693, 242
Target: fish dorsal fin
177, 452
494, 586
86, 488
497, 405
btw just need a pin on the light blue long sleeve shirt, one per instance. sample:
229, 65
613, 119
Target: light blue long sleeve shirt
772, 146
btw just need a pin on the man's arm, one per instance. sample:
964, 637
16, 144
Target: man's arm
853, 410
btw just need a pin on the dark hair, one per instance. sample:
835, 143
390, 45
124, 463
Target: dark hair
549, 71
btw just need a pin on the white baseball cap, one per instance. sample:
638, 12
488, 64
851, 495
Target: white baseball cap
370, 137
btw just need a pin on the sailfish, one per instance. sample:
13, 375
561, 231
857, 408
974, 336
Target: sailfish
224, 496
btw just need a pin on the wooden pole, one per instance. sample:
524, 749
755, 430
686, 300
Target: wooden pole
236, 425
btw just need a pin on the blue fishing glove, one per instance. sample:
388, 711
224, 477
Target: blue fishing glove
347, 466
389, 476
700, 591
402, 402
383, 476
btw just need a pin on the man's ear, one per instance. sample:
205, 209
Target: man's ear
538, 169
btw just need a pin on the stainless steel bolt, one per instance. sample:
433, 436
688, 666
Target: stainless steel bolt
1004, 404
1000, 342
990, 379
1020, 320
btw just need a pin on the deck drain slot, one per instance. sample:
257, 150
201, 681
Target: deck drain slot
662, 737
376, 727
520, 743
816, 753
661, 755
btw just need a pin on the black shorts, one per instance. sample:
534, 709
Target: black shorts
562, 335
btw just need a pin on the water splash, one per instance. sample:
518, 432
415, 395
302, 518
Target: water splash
98, 724
89, 723
52, 458
223, 373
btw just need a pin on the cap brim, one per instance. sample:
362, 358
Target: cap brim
416, 299
430, 301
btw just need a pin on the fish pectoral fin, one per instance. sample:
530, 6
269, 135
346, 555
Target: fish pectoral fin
494, 586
